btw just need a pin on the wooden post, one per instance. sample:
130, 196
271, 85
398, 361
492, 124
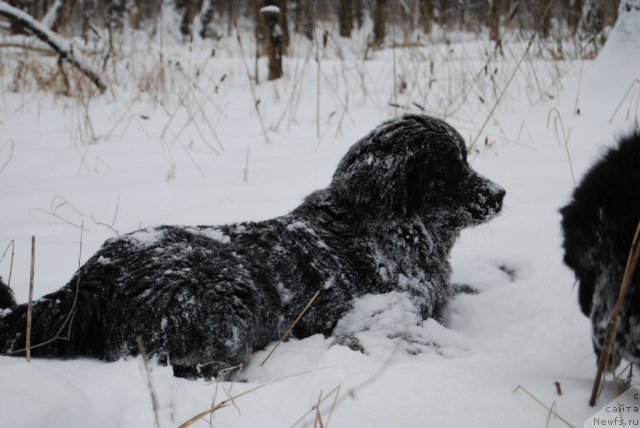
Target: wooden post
275, 40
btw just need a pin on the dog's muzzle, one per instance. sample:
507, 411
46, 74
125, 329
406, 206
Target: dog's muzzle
483, 198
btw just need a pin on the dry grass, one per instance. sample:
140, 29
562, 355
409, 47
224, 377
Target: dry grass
426, 75
68, 322
30, 302
316, 409
291, 327
558, 127
232, 399
550, 409
634, 90
152, 392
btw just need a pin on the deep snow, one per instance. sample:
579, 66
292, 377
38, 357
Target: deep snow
523, 329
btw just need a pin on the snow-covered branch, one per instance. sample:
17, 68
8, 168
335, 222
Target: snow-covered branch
51, 16
62, 46
25, 42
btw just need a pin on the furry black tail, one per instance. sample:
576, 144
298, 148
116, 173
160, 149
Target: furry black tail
7, 301
64, 323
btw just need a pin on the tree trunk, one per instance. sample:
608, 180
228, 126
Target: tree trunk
16, 27
64, 16
445, 13
379, 21
188, 10
611, 12
257, 21
284, 22
275, 41
494, 21
358, 9
297, 16
86, 18
545, 31
206, 15
426, 15
308, 17
38, 9
345, 18
574, 14
231, 16
116, 14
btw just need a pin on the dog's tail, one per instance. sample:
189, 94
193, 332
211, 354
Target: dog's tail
7, 301
63, 324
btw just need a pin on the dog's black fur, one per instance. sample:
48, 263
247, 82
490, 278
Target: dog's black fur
7, 301
599, 224
197, 295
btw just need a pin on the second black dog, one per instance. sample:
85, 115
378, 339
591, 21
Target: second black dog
599, 225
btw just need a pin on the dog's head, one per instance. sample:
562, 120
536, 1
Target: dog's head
416, 165
600, 221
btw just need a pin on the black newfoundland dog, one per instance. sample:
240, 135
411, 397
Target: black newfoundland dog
599, 224
204, 297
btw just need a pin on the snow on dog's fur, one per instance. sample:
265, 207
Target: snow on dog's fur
203, 297
599, 224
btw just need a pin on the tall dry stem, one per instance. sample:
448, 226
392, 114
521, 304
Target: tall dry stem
147, 370
30, 304
253, 91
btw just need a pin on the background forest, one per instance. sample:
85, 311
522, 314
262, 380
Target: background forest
215, 18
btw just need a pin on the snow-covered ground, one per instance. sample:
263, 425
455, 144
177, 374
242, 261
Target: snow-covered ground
126, 159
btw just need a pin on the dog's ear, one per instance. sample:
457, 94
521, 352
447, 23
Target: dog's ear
387, 173
390, 184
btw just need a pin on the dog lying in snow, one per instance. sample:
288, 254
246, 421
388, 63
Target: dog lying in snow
204, 297
599, 224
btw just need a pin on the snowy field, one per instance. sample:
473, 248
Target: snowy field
191, 149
